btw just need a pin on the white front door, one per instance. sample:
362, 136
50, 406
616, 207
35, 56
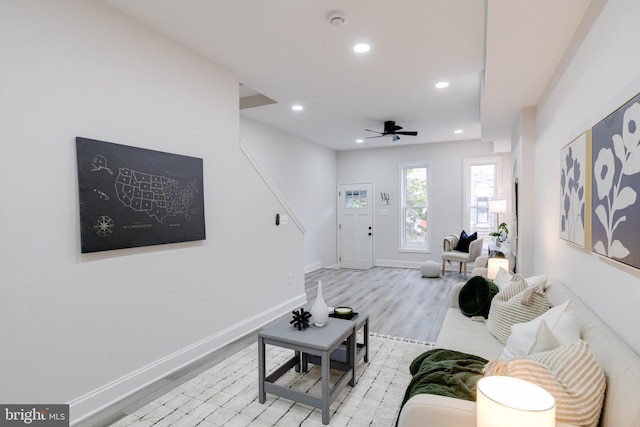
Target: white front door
355, 227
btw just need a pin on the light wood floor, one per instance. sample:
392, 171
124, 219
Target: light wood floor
399, 301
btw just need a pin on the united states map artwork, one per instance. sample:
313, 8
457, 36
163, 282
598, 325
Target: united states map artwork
132, 197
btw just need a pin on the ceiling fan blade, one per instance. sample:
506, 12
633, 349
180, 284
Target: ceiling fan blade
407, 132
374, 131
379, 136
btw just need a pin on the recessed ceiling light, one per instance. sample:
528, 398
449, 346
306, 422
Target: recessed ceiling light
442, 85
297, 108
458, 131
361, 48
359, 141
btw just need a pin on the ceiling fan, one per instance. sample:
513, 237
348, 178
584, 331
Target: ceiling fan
392, 129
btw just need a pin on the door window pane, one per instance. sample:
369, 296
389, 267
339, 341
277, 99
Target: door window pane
355, 199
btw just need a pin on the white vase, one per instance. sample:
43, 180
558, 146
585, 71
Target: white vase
319, 310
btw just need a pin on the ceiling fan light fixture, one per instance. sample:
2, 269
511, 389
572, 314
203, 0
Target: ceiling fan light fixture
393, 130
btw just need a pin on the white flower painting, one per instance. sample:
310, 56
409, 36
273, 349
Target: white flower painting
616, 182
574, 210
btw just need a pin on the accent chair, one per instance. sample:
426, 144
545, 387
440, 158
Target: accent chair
451, 254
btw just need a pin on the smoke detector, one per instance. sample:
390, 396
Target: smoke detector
336, 18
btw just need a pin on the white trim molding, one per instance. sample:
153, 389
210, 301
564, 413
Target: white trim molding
398, 263
312, 267
109, 394
271, 185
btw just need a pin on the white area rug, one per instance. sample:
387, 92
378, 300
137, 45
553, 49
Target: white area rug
227, 394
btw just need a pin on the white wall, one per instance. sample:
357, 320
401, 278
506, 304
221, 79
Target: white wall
382, 167
87, 329
523, 149
603, 75
305, 174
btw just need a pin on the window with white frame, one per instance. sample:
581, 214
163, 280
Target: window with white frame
481, 184
414, 207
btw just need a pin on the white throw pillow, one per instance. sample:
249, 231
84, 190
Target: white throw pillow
528, 338
540, 279
503, 278
563, 323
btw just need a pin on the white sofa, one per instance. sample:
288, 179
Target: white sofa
620, 363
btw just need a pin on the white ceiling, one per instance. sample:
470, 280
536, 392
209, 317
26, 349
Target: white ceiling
289, 52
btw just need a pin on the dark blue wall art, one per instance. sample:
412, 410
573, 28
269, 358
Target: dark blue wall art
132, 197
616, 184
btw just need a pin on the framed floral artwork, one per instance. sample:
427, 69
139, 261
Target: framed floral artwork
615, 228
575, 181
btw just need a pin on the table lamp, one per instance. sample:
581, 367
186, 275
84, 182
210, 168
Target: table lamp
495, 264
512, 402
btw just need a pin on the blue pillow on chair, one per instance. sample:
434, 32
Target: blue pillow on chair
465, 241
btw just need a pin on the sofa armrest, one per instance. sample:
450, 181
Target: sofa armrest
481, 261
453, 297
430, 410
482, 272
425, 410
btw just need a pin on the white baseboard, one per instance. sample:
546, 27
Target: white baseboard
397, 263
312, 267
318, 265
109, 394
379, 263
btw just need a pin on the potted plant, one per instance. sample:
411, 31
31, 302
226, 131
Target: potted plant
501, 234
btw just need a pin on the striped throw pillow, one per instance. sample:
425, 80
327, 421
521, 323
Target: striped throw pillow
517, 303
569, 373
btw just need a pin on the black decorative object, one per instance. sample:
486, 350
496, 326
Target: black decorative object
349, 316
132, 197
300, 319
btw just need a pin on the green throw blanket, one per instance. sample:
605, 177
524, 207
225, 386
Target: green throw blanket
445, 373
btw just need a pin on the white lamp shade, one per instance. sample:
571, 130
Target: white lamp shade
497, 206
512, 402
495, 264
